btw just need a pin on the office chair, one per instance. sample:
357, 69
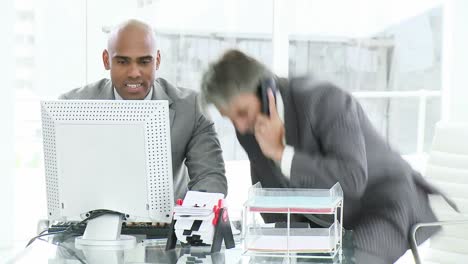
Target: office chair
447, 169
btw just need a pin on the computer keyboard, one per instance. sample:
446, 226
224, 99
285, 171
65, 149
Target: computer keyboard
151, 230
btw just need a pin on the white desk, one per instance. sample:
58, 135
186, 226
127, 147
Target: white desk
147, 252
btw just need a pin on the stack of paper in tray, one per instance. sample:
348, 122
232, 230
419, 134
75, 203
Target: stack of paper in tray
194, 218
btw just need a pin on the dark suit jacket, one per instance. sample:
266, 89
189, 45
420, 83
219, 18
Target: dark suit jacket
334, 141
194, 143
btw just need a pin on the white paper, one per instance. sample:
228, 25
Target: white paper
295, 243
196, 206
201, 199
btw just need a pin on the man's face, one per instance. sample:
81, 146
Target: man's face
243, 111
132, 61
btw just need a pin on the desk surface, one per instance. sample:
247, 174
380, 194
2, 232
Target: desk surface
149, 251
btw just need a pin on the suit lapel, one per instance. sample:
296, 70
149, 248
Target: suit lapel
107, 91
290, 117
159, 93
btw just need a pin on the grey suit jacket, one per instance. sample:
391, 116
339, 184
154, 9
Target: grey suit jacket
334, 141
194, 142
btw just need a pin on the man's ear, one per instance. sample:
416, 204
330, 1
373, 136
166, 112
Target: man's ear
105, 59
158, 59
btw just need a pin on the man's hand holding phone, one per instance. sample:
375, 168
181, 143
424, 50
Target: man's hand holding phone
269, 131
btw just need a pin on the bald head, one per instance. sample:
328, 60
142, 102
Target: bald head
132, 30
132, 59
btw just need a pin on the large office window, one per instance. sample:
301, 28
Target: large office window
396, 74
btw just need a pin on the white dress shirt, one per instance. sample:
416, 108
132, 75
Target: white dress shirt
148, 96
288, 153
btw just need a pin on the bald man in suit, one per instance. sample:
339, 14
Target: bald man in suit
133, 59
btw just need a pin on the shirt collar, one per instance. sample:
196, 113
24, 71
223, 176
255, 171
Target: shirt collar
148, 96
280, 106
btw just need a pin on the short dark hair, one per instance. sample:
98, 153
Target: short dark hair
234, 73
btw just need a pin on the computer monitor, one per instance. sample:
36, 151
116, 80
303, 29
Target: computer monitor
107, 154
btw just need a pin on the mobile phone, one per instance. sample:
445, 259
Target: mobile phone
265, 84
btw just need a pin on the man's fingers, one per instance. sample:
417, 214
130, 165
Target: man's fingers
261, 124
261, 121
258, 131
258, 127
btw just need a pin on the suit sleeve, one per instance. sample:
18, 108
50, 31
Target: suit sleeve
342, 157
204, 159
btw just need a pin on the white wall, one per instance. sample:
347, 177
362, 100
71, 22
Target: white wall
60, 54
356, 18
7, 70
226, 16
455, 61
306, 17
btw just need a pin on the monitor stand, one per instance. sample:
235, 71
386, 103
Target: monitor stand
96, 256
103, 232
